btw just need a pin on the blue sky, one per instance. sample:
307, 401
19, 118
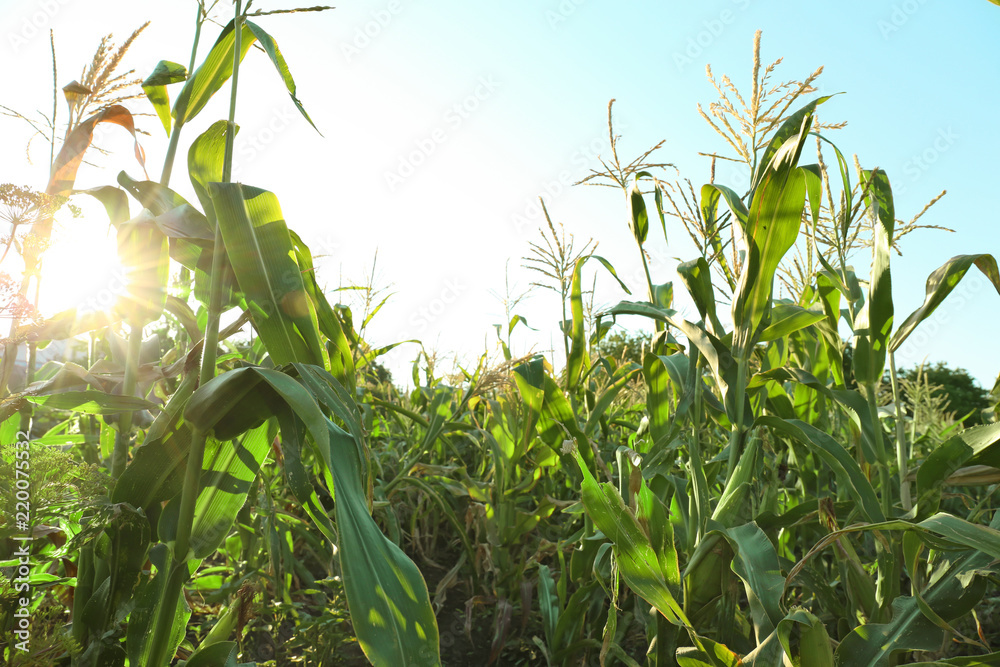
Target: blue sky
442, 123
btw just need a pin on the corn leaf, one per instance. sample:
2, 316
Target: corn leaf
638, 563
874, 325
92, 402
388, 599
155, 87
260, 250
788, 318
272, 51
212, 74
835, 456
772, 225
940, 284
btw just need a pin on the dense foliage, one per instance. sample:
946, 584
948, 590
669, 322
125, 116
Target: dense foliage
740, 489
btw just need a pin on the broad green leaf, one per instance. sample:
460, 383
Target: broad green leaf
639, 217
227, 476
92, 402
789, 129
814, 647
271, 49
940, 284
637, 561
773, 221
874, 325
976, 443
710, 194
657, 398
337, 331
147, 602
114, 200
212, 74
155, 87
854, 403
206, 158
222, 654
260, 250
619, 380
834, 455
787, 318
387, 596
756, 562
697, 277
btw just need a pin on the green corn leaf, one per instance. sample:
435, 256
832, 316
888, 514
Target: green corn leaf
772, 225
260, 250
578, 349
965, 661
834, 455
874, 325
147, 601
854, 403
271, 49
940, 284
621, 377
710, 194
548, 602
755, 561
637, 561
114, 200
155, 87
337, 331
814, 648
388, 599
228, 473
657, 379
221, 654
697, 278
977, 443
212, 74
788, 318
92, 402
790, 128
639, 217
206, 158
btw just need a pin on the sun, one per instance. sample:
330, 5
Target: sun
80, 269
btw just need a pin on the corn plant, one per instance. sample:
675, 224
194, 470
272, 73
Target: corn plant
757, 449
179, 488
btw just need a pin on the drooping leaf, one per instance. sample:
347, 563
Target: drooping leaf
155, 87
260, 250
271, 49
940, 284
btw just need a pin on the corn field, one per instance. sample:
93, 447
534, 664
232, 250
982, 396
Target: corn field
753, 487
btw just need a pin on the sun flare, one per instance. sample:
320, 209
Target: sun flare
80, 269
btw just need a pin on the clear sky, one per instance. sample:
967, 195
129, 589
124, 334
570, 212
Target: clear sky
444, 192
